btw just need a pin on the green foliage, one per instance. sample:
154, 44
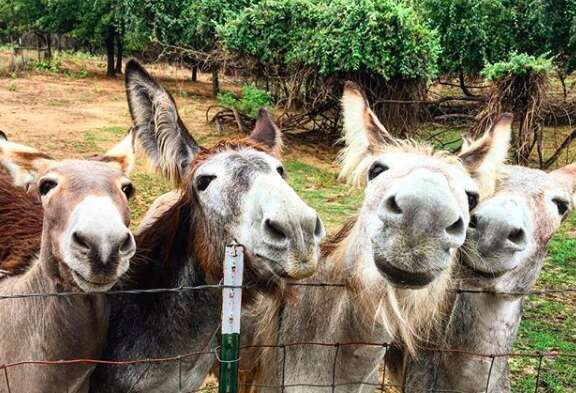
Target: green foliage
518, 64
471, 32
249, 103
385, 37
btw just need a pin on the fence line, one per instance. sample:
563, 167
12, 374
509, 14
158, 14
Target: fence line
181, 289
382, 385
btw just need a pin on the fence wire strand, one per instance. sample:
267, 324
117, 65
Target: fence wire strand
382, 385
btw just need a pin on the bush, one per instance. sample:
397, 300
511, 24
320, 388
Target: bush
249, 103
518, 64
382, 37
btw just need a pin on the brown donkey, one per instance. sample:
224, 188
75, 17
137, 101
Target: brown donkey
504, 252
393, 260
234, 190
85, 247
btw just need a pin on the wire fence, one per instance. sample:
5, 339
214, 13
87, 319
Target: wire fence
383, 383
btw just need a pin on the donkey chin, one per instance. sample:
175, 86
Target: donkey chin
90, 275
411, 269
278, 266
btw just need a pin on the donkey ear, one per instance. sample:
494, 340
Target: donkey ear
484, 156
123, 154
266, 132
158, 127
22, 162
363, 132
567, 174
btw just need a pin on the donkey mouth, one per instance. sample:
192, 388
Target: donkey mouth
404, 279
475, 272
95, 284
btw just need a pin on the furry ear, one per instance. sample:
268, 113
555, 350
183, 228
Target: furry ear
567, 174
123, 154
363, 132
157, 125
267, 133
22, 162
484, 156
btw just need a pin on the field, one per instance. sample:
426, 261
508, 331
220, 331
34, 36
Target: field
72, 110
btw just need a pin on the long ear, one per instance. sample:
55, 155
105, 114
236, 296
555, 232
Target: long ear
123, 154
567, 174
158, 127
22, 162
484, 156
267, 133
363, 132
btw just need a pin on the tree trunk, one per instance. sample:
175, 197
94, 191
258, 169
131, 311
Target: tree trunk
49, 47
109, 42
215, 82
119, 50
194, 71
562, 78
463, 85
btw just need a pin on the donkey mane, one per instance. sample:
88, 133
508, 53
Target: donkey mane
21, 230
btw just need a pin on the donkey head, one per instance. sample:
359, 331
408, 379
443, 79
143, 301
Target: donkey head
239, 186
509, 233
417, 201
86, 215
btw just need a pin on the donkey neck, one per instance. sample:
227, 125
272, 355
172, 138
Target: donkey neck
49, 328
481, 323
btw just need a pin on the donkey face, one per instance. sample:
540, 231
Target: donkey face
417, 201
238, 185
86, 214
509, 233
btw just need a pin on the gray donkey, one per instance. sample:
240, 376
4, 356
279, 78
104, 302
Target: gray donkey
235, 190
504, 252
393, 261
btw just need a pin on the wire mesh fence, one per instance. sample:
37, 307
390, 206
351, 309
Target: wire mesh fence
383, 382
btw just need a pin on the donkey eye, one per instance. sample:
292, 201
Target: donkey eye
562, 205
376, 169
473, 198
204, 181
46, 185
280, 171
128, 190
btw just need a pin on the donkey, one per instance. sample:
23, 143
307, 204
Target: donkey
234, 190
393, 260
85, 246
504, 251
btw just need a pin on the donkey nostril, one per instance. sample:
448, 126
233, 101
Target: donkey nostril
275, 230
319, 229
127, 244
517, 236
80, 240
473, 222
392, 205
457, 228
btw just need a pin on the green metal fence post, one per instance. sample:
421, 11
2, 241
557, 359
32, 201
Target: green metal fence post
231, 312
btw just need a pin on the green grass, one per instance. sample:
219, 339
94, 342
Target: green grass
334, 201
549, 322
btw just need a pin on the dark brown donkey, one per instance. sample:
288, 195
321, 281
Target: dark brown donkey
85, 247
232, 191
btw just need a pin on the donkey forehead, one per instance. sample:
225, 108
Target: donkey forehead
530, 182
445, 165
85, 174
248, 161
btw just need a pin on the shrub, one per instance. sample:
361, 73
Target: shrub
249, 103
518, 64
